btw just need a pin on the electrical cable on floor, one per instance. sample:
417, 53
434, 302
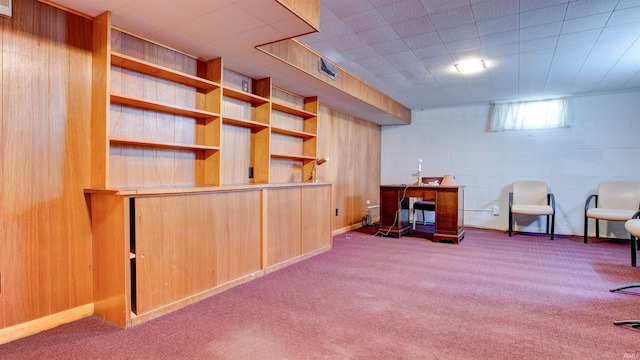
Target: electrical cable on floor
395, 219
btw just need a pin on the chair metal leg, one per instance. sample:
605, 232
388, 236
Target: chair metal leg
634, 323
634, 248
553, 224
546, 230
625, 286
586, 228
414, 219
597, 229
510, 222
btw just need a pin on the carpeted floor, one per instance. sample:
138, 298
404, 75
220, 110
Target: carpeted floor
490, 297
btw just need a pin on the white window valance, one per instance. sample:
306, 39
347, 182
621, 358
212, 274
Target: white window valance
525, 115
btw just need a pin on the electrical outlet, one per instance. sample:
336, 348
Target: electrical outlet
496, 210
250, 172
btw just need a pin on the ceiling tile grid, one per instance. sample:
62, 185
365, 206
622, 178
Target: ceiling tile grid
533, 48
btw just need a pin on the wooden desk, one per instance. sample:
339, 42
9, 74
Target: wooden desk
449, 224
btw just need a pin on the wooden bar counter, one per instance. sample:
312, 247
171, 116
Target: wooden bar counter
449, 224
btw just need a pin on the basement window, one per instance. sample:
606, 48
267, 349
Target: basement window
528, 115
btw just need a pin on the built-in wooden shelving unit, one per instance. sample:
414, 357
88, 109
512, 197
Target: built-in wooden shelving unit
180, 147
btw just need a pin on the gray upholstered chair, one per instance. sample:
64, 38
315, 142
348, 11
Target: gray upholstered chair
530, 197
633, 227
615, 201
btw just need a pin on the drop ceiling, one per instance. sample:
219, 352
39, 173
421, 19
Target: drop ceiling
408, 48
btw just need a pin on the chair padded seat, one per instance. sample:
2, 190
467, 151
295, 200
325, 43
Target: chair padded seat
633, 227
610, 214
425, 205
532, 209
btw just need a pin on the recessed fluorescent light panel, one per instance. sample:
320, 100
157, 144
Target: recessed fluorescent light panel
471, 66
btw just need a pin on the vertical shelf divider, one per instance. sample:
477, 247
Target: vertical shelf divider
100, 101
210, 171
261, 139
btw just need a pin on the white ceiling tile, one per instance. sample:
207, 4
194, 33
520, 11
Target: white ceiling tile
621, 31
538, 4
542, 16
631, 57
629, 15
582, 37
582, 8
333, 29
389, 47
414, 26
264, 10
585, 23
138, 24
498, 25
263, 35
379, 35
401, 11
452, 18
539, 44
502, 38
200, 7
367, 20
494, 8
435, 62
535, 61
194, 29
360, 53
347, 8
351, 41
462, 32
404, 57
623, 4
473, 45
430, 51
501, 50
226, 19
540, 31
438, 6
423, 40
572, 56
409, 66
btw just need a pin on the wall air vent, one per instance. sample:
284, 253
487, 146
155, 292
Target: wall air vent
326, 68
5, 7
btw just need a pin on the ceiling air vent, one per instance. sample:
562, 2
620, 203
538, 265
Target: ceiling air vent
327, 68
5, 7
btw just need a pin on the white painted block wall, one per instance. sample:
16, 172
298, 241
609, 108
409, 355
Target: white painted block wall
603, 143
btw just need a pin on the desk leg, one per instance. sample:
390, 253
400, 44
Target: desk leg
449, 210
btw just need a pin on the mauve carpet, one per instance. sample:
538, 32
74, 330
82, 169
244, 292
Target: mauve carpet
490, 297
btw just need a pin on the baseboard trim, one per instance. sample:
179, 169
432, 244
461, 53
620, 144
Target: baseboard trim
346, 229
28, 328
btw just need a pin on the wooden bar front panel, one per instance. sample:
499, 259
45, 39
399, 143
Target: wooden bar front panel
284, 221
191, 243
316, 218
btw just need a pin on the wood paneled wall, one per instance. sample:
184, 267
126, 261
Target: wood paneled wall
353, 146
45, 232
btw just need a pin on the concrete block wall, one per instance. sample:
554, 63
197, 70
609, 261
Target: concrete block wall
602, 144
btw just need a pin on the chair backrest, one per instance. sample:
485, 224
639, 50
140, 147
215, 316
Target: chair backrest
619, 195
529, 192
